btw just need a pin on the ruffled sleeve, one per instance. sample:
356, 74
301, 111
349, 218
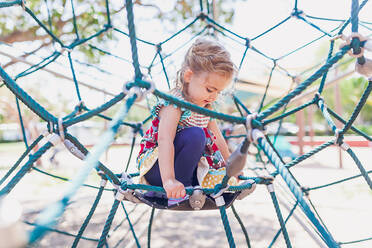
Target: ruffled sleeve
186, 113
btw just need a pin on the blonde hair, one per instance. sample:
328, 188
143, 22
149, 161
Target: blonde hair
206, 55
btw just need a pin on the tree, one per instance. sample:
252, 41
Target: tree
89, 17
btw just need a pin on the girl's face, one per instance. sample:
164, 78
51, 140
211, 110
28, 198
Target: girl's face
203, 88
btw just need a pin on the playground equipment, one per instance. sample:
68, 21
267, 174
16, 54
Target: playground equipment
221, 197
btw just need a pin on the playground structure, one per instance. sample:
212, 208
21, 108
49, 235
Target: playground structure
126, 189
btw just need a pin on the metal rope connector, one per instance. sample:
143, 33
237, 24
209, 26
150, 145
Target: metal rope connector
248, 125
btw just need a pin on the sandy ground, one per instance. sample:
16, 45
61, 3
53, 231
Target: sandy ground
345, 208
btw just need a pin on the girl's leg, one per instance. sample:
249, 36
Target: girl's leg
189, 145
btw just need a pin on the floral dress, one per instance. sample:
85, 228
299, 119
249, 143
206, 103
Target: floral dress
211, 167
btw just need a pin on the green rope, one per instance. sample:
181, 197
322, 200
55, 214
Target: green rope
21, 123
242, 226
336, 182
102, 240
88, 218
226, 226
61, 232
279, 215
149, 227
285, 222
10, 171
130, 225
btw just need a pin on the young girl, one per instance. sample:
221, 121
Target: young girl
184, 148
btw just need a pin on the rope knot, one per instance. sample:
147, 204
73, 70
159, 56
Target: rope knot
248, 42
108, 27
158, 47
80, 106
202, 16
298, 13
137, 128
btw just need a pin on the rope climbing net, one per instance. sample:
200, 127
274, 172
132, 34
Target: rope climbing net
255, 123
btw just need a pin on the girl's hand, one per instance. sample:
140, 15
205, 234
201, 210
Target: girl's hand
174, 188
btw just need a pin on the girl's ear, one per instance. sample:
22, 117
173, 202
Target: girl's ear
187, 75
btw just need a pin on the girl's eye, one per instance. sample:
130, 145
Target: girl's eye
209, 90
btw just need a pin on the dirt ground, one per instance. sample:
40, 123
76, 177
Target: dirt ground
345, 208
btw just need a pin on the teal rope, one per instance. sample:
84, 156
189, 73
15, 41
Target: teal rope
272, 28
95, 111
356, 241
266, 88
181, 46
25, 98
61, 232
301, 87
330, 52
181, 30
138, 220
163, 66
10, 3
280, 218
122, 222
88, 218
66, 179
141, 40
74, 20
21, 123
149, 227
283, 171
305, 45
131, 152
336, 182
348, 21
360, 167
279, 156
48, 216
43, 63
130, 225
50, 33
110, 175
313, 25
334, 114
226, 226
74, 75
106, 228
25, 168
113, 55
317, 214
81, 41
358, 108
242, 226
281, 116
108, 13
309, 154
285, 222
10, 171
132, 37
323, 110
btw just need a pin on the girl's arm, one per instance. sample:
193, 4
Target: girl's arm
169, 118
220, 141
